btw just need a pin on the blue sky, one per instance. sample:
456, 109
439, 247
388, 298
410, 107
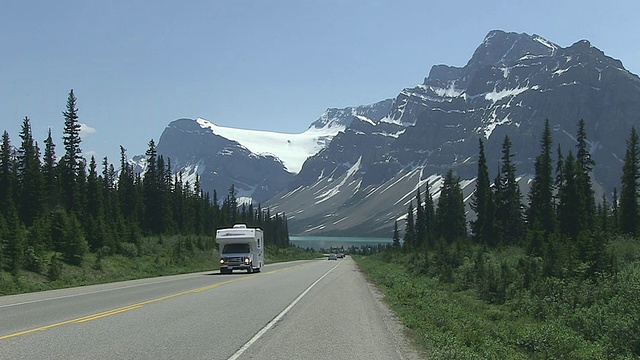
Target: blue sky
137, 65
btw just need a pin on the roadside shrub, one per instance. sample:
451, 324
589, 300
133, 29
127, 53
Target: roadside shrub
128, 250
55, 268
33, 261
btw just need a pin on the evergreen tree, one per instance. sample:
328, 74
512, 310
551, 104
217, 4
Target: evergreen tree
430, 218
421, 225
569, 198
152, 192
3, 235
74, 245
14, 242
451, 221
108, 184
541, 212
7, 171
50, 174
409, 230
68, 237
508, 199
615, 211
559, 168
603, 215
127, 195
396, 235
95, 228
30, 180
629, 216
71, 161
585, 164
482, 203
230, 206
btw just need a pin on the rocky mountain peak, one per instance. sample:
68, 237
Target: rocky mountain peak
510, 86
504, 48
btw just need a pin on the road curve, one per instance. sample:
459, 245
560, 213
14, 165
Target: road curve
300, 310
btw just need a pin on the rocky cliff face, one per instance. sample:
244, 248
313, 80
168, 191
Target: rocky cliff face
510, 86
224, 156
362, 165
220, 162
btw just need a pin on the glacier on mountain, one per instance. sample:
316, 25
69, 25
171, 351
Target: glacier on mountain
291, 149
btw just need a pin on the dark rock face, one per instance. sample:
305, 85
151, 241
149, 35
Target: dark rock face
221, 162
345, 116
510, 86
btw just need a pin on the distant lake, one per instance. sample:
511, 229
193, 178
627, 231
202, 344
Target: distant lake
326, 242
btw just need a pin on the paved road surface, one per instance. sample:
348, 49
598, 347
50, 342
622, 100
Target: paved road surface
301, 310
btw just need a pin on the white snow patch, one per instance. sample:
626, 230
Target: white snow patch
499, 95
291, 149
451, 91
336, 189
546, 43
365, 119
492, 125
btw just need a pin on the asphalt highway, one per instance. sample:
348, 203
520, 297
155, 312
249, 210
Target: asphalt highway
317, 309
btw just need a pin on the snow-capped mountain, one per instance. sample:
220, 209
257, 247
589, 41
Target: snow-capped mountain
362, 182
355, 170
260, 164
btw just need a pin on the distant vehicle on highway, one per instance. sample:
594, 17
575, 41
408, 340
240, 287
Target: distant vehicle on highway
333, 257
340, 255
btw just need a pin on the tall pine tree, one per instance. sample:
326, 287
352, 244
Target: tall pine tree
482, 203
30, 181
71, 162
430, 218
541, 212
152, 192
629, 217
569, 200
50, 173
409, 230
421, 224
450, 213
7, 172
585, 164
396, 235
508, 199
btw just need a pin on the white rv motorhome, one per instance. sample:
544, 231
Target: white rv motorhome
240, 248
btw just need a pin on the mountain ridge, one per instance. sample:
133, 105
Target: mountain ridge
385, 151
510, 86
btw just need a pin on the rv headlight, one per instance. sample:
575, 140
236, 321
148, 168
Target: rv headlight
247, 260
221, 261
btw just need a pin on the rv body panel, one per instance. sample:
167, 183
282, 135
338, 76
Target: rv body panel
241, 248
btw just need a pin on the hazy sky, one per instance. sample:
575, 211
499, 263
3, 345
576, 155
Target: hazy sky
136, 65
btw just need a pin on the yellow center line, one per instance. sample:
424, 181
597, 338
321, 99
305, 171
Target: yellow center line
135, 306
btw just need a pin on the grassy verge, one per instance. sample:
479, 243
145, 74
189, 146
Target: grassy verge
154, 256
568, 319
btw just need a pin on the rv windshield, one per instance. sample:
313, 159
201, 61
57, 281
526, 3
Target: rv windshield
235, 248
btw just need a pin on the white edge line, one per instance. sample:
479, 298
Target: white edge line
266, 328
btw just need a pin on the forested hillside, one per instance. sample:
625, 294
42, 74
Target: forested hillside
550, 274
59, 209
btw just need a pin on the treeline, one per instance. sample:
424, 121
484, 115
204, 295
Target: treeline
558, 256
59, 209
560, 220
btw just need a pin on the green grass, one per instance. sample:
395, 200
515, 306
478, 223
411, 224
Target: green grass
155, 256
447, 321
